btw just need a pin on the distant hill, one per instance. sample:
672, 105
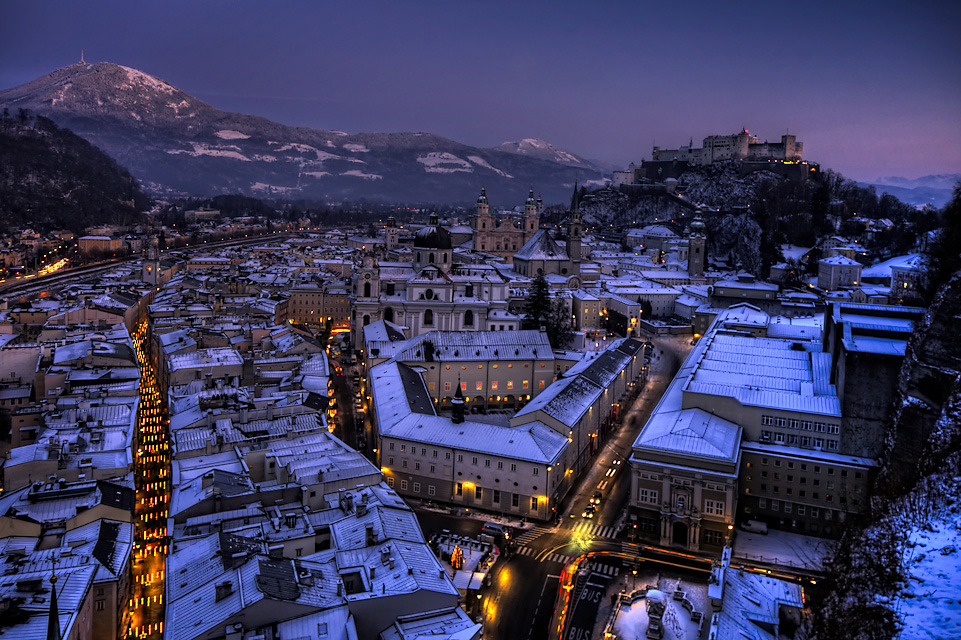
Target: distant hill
935, 190
177, 144
51, 178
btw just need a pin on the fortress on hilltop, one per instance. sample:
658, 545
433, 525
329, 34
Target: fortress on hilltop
738, 146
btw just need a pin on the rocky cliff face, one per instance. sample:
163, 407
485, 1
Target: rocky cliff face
175, 143
921, 434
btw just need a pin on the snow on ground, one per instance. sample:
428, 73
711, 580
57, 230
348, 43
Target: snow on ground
230, 134
58, 99
783, 548
792, 252
139, 77
356, 148
480, 162
317, 174
883, 269
262, 186
444, 162
200, 149
360, 174
930, 605
632, 621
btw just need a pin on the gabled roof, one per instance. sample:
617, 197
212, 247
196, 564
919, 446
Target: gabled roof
541, 247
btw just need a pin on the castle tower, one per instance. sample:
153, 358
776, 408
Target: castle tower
574, 229
391, 234
531, 216
697, 248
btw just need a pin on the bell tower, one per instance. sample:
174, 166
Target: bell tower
697, 248
531, 216
482, 223
391, 234
367, 288
575, 230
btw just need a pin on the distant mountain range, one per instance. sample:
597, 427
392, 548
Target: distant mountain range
935, 190
177, 144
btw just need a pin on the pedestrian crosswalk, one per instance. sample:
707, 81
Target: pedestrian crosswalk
530, 535
597, 531
563, 558
605, 569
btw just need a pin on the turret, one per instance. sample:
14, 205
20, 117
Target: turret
457, 402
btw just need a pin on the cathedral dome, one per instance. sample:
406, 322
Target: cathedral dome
433, 236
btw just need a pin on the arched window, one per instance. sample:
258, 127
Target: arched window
428, 318
389, 314
366, 320
469, 291
445, 257
366, 289
432, 257
468, 318
418, 256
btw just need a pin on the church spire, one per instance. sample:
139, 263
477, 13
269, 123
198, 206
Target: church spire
53, 621
575, 204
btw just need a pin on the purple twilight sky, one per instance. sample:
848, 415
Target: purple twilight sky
871, 88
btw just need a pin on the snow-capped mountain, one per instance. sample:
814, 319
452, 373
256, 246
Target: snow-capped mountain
535, 148
175, 143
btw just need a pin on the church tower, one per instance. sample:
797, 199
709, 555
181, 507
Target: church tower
531, 216
367, 288
574, 230
391, 234
697, 248
482, 223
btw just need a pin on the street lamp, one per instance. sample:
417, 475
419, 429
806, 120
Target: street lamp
634, 571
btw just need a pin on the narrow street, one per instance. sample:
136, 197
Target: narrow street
520, 602
144, 614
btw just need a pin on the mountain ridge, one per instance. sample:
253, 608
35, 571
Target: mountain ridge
177, 144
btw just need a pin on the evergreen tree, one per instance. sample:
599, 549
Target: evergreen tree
560, 329
943, 256
537, 307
